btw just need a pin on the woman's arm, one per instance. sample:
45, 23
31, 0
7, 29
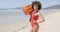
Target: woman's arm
41, 18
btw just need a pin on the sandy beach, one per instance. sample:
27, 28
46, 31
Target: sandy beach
51, 24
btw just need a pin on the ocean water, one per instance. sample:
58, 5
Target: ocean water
11, 16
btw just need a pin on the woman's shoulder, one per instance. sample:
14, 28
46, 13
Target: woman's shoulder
37, 13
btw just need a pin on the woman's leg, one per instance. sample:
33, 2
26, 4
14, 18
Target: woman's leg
31, 30
35, 28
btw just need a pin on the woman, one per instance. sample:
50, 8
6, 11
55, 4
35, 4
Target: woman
34, 16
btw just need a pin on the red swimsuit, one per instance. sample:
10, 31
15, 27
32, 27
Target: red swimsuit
33, 19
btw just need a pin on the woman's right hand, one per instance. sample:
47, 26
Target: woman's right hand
42, 21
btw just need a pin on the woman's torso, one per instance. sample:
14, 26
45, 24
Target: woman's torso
34, 18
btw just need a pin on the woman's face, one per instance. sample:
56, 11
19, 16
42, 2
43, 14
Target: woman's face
35, 7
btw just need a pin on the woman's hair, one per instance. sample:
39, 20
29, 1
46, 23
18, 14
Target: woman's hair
36, 3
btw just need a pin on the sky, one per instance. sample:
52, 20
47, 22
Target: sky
22, 3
